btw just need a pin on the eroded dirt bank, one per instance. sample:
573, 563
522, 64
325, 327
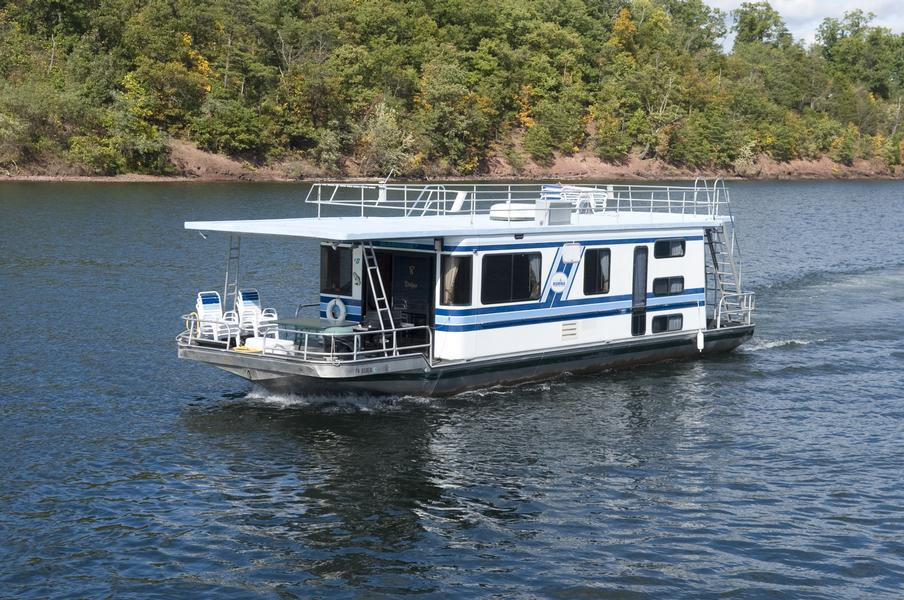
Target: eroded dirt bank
193, 164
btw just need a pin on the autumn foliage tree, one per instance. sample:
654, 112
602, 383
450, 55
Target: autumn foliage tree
438, 87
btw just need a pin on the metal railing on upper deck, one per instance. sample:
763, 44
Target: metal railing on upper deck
701, 198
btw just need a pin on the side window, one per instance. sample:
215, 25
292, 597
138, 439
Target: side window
510, 278
596, 271
668, 249
668, 286
456, 280
668, 323
336, 270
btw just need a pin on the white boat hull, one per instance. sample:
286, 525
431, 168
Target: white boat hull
412, 375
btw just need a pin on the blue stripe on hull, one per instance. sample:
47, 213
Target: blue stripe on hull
349, 301
564, 317
352, 307
485, 310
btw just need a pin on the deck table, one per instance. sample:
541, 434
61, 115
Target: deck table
320, 329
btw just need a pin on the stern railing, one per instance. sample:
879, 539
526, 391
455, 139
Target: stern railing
735, 309
315, 346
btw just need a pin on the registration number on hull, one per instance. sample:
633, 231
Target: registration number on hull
370, 370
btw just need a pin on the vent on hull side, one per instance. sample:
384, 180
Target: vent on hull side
569, 331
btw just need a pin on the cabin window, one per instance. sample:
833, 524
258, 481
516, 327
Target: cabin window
336, 270
456, 280
668, 286
510, 278
668, 248
596, 271
664, 323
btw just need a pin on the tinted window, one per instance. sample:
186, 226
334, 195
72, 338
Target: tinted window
668, 323
668, 248
596, 271
668, 286
639, 291
510, 278
336, 270
456, 280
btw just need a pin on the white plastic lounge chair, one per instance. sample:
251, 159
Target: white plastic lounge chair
252, 318
213, 322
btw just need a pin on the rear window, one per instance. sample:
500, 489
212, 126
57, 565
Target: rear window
668, 249
668, 286
336, 270
665, 323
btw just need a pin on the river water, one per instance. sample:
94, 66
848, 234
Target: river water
772, 472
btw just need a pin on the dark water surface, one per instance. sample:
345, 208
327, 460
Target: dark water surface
772, 472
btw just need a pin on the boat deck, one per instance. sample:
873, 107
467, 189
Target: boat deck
403, 211
429, 226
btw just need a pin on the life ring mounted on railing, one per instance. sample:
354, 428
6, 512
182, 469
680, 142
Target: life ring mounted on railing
192, 321
336, 311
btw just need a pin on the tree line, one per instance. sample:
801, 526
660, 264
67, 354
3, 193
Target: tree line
438, 86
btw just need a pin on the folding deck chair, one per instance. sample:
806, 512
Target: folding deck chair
213, 323
253, 320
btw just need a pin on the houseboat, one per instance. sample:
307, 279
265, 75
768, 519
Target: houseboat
438, 288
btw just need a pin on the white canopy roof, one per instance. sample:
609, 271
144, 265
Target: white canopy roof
450, 225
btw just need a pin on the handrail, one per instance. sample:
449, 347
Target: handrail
337, 346
303, 305
417, 200
740, 305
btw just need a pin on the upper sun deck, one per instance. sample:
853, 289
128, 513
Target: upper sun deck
404, 211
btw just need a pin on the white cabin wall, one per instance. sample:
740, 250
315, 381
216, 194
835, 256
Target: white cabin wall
692, 267
563, 332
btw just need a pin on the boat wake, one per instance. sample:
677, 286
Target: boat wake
501, 391
340, 403
350, 403
820, 277
760, 345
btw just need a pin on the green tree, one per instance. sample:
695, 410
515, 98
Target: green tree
437, 86
870, 55
456, 122
758, 22
230, 127
383, 144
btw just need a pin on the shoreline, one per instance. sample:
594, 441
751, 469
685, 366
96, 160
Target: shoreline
193, 165
139, 178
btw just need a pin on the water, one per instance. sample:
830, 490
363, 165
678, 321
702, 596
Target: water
772, 472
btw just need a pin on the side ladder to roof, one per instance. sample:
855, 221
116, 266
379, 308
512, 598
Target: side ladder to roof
723, 277
231, 286
384, 313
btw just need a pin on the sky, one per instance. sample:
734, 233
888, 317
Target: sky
803, 16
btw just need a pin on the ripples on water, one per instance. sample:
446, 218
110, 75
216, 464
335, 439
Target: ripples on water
775, 471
